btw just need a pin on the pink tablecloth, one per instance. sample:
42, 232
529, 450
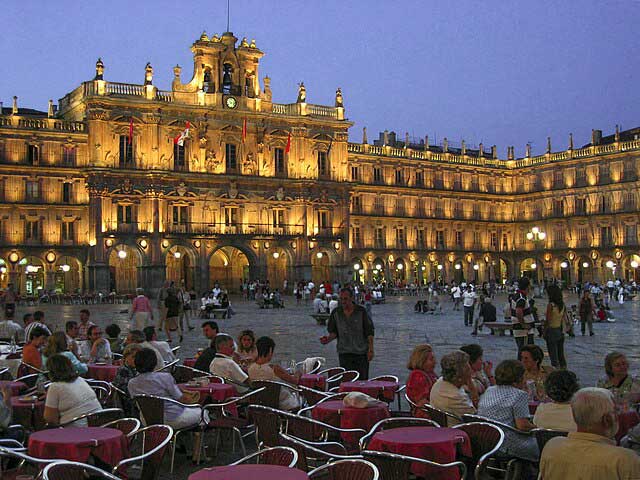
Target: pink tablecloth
374, 388
189, 362
78, 443
436, 444
15, 387
218, 392
313, 380
29, 414
106, 373
242, 472
335, 413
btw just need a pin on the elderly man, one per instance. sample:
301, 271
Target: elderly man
449, 393
223, 364
591, 452
137, 336
163, 347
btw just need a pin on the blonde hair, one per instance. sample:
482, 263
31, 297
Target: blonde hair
132, 348
418, 356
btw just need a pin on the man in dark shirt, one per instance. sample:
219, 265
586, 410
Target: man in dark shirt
210, 330
487, 313
353, 327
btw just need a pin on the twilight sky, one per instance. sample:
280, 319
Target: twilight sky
497, 72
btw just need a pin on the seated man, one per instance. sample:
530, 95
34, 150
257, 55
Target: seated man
95, 348
210, 330
136, 336
223, 364
591, 452
8, 328
163, 347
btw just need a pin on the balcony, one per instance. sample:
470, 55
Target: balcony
127, 228
328, 232
245, 229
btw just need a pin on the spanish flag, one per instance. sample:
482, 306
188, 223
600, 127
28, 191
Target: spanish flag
288, 147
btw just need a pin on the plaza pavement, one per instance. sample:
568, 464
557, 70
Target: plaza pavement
398, 329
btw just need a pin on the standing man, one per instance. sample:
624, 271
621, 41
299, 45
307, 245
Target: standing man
468, 303
521, 316
585, 310
353, 328
162, 309
85, 324
9, 298
456, 293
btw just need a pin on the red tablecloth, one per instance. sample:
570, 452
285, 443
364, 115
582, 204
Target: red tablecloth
374, 388
242, 472
626, 421
533, 406
28, 414
105, 373
189, 362
335, 413
15, 387
218, 392
436, 444
78, 443
313, 380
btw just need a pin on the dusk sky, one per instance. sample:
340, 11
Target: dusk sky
503, 73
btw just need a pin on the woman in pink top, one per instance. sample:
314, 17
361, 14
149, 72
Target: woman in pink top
141, 311
422, 377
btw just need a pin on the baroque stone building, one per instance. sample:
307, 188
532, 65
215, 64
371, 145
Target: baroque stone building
98, 194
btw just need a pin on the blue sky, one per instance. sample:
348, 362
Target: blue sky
497, 72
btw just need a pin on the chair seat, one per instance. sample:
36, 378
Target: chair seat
229, 422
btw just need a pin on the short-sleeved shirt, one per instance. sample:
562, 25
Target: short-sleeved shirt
9, 329
31, 326
419, 384
160, 384
226, 367
520, 300
468, 298
353, 331
72, 399
505, 404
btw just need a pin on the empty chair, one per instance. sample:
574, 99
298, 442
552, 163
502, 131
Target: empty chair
310, 395
396, 422
351, 469
440, 416
486, 440
314, 453
266, 421
543, 435
333, 383
283, 456
393, 466
330, 372
97, 419
64, 470
27, 465
128, 426
146, 447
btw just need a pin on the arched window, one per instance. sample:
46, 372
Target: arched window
227, 81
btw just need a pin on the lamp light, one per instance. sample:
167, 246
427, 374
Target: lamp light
457, 266
276, 255
143, 243
50, 257
439, 267
634, 264
400, 266
564, 264
177, 255
14, 257
585, 264
534, 266
122, 254
356, 266
319, 254
476, 267
65, 268
378, 266
610, 264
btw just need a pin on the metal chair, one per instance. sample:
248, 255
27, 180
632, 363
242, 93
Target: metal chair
330, 372
395, 422
5, 375
440, 416
543, 435
315, 369
128, 426
150, 444
64, 470
102, 394
385, 378
393, 466
316, 453
486, 440
168, 367
283, 456
267, 424
333, 383
26, 463
270, 397
174, 350
99, 418
184, 374
353, 469
327, 398
29, 380
311, 395
26, 369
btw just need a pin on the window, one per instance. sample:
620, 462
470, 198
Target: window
227, 70
180, 214
32, 191
494, 240
606, 237
33, 154
459, 239
230, 157
355, 174
605, 174
231, 216
179, 161
629, 201
32, 230
580, 206
322, 219
420, 238
69, 156
419, 179
356, 237
558, 208
558, 236
68, 230
323, 165
631, 234
279, 161
126, 152
125, 214
67, 189
604, 204
438, 181
400, 206
476, 240
400, 238
558, 179
378, 205
277, 217
399, 177
439, 212
583, 236
505, 241
379, 238
356, 205
377, 175
439, 238
581, 177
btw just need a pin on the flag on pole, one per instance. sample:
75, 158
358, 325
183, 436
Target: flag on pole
130, 137
179, 140
288, 147
244, 130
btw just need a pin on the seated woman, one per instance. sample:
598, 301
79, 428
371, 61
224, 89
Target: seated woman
560, 386
57, 344
262, 370
125, 373
422, 363
449, 393
507, 403
162, 384
31, 351
113, 337
624, 387
531, 357
69, 395
247, 352
482, 376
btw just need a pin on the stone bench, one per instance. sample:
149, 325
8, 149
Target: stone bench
321, 318
501, 327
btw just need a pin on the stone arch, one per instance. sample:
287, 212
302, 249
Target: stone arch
279, 262
532, 268
630, 265
230, 265
124, 268
31, 275
181, 262
4, 273
68, 274
584, 269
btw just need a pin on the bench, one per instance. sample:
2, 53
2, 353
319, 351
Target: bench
218, 313
270, 304
502, 326
377, 300
321, 318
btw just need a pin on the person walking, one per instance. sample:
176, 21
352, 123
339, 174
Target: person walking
141, 311
553, 327
171, 323
456, 294
162, 309
521, 314
352, 326
468, 303
185, 311
586, 309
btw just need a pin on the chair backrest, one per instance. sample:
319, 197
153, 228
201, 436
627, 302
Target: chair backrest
385, 378
313, 451
98, 419
397, 467
440, 416
5, 375
270, 396
29, 380
184, 374
486, 439
102, 394
543, 435
283, 456
503, 426
330, 372
310, 395
64, 470
267, 423
151, 409
26, 462
396, 422
128, 426
147, 446
352, 469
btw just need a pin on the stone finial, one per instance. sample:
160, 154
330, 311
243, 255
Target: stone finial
364, 135
406, 139
548, 144
571, 141
463, 148
339, 101
426, 142
510, 152
302, 93
50, 109
527, 150
244, 42
204, 37
481, 150
445, 145
385, 137
177, 71
14, 107
99, 70
494, 152
253, 43
267, 88
617, 134
215, 38
148, 74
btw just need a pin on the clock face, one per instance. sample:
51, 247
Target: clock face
231, 102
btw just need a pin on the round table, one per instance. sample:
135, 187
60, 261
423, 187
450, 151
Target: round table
189, 362
335, 413
242, 472
79, 443
374, 388
15, 387
29, 414
436, 444
218, 392
106, 373
313, 380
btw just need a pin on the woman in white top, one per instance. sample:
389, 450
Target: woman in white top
262, 370
560, 386
68, 396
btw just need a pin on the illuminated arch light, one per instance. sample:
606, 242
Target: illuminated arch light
356, 266
65, 268
276, 255
177, 255
361, 271
634, 264
423, 268
3, 269
564, 264
534, 266
585, 264
400, 266
319, 255
375, 272
378, 266
476, 267
122, 254
610, 264
457, 266
440, 267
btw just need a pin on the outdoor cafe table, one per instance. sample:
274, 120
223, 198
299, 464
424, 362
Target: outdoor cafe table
106, 373
217, 392
15, 387
313, 380
28, 413
77, 444
374, 388
243, 472
439, 445
335, 413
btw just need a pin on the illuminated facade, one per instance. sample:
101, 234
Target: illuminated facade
97, 196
